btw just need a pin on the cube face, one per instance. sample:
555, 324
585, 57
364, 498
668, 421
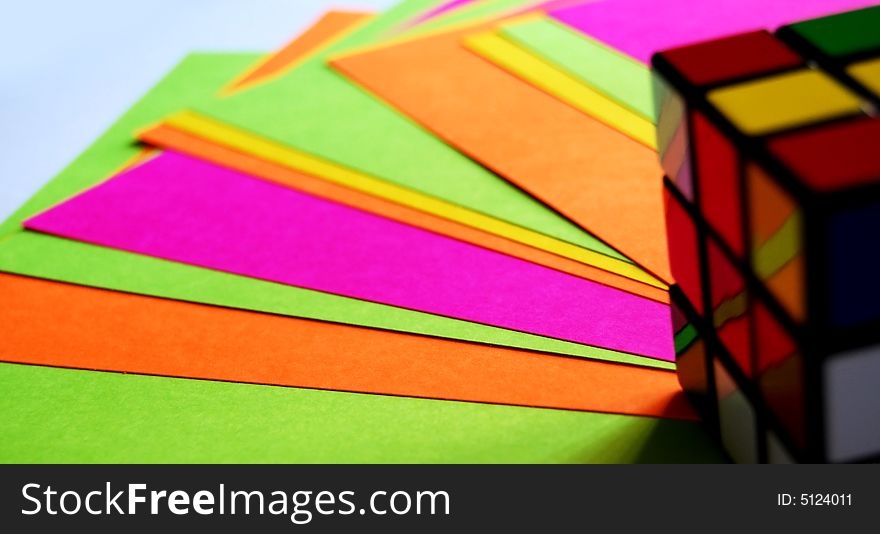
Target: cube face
841, 34
730, 307
852, 404
867, 73
831, 160
684, 247
732, 57
781, 375
717, 170
737, 421
672, 138
853, 291
692, 370
777, 452
691, 352
784, 101
776, 234
775, 223
832, 157
846, 44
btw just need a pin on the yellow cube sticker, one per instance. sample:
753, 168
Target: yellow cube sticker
867, 73
784, 101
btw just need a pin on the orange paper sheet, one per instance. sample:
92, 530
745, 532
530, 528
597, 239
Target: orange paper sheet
168, 137
589, 172
323, 32
50, 323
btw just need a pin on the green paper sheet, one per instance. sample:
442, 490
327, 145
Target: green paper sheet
471, 12
318, 111
96, 417
617, 76
198, 76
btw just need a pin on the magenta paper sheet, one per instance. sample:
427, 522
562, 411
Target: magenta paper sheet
641, 27
190, 211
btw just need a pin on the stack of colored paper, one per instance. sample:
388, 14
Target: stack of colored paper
434, 234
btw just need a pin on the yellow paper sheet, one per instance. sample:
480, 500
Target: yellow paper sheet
563, 86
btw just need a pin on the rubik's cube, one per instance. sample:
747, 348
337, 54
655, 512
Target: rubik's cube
771, 150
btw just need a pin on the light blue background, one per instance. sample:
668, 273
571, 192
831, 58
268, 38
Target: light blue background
70, 68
